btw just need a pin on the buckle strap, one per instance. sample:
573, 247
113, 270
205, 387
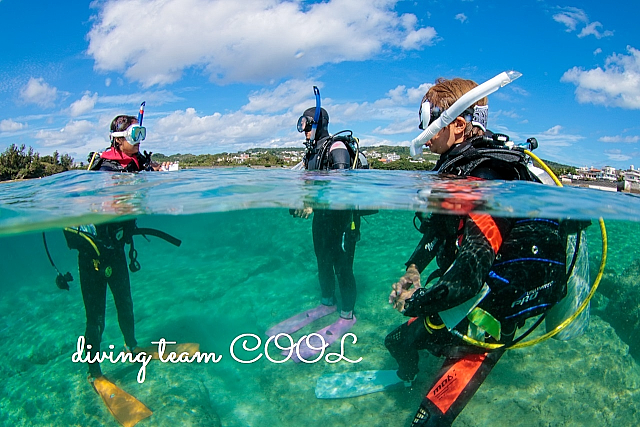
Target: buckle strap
482, 321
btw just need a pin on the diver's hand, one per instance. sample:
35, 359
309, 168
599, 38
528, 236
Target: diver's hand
303, 213
164, 166
404, 288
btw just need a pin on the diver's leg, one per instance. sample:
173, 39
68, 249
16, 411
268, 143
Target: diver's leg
121, 289
93, 285
403, 344
343, 265
456, 383
324, 258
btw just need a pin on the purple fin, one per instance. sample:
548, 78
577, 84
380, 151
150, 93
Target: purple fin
301, 320
331, 333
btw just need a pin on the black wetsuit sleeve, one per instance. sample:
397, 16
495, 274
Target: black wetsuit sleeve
426, 249
339, 156
466, 275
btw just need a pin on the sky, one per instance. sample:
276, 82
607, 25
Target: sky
229, 75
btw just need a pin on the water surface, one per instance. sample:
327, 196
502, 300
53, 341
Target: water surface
245, 264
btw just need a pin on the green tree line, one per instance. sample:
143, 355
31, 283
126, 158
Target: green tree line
19, 163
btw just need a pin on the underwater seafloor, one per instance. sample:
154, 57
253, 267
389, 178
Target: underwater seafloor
245, 264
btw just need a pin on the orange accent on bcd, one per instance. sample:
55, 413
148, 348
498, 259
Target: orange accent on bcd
488, 226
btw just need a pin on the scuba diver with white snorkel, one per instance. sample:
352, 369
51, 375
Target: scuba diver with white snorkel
493, 273
335, 232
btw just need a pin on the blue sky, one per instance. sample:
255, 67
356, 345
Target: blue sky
227, 75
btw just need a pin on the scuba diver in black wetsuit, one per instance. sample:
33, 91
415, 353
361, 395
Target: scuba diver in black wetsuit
335, 232
493, 273
101, 255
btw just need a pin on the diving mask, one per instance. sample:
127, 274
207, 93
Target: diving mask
133, 134
477, 115
305, 123
427, 118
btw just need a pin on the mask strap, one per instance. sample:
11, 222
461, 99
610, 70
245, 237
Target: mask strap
480, 116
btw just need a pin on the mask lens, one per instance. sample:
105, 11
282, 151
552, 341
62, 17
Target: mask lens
304, 124
434, 114
139, 133
136, 134
428, 114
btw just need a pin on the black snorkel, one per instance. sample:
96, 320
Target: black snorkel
316, 117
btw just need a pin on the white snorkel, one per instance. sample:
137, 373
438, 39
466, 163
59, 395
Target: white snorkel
465, 101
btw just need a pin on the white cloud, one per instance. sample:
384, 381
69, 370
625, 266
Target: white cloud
156, 98
73, 134
288, 95
573, 17
400, 127
555, 137
9, 125
461, 17
295, 96
617, 85
398, 110
83, 105
247, 41
592, 29
518, 90
617, 155
619, 138
38, 92
107, 82
404, 96
597, 51
185, 130
510, 114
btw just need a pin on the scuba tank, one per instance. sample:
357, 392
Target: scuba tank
578, 277
577, 290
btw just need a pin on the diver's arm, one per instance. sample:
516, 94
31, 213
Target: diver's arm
466, 276
339, 156
425, 251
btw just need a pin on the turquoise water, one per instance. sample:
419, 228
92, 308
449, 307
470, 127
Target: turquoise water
246, 264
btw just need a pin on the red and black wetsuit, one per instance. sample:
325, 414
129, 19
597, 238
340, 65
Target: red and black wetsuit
105, 263
514, 257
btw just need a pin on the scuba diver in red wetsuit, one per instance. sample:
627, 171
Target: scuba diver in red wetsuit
102, 262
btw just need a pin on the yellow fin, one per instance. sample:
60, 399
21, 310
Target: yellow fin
124, 407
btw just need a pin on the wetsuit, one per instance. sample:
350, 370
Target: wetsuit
470, 251
104, 262
335, 233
